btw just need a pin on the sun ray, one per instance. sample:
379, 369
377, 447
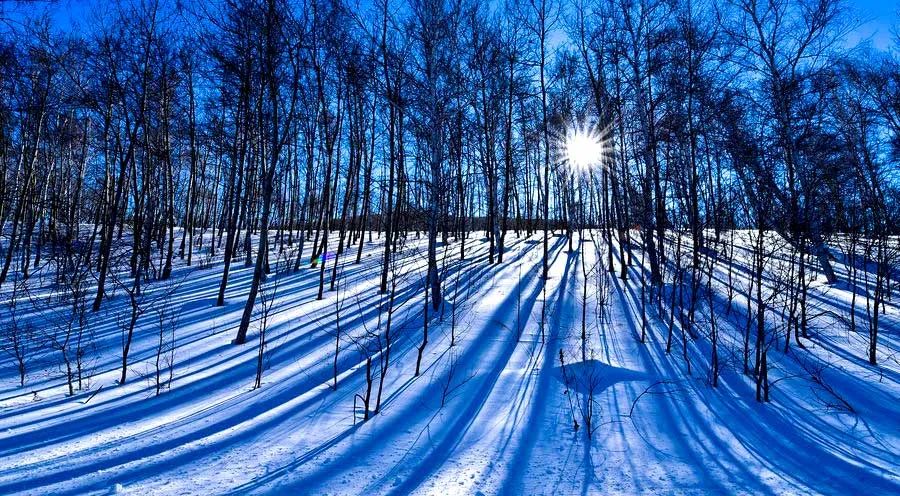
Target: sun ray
583, 146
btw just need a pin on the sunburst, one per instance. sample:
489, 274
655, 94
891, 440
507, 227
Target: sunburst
582, 146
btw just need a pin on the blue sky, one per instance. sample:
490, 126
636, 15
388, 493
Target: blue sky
876, 18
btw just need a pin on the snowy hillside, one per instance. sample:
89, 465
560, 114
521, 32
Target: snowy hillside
495, 406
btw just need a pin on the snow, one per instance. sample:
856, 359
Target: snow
506, 423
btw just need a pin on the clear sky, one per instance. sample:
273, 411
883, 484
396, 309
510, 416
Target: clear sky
876, 18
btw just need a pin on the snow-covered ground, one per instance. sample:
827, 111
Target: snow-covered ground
492, 414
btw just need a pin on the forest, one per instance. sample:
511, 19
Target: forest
432, 246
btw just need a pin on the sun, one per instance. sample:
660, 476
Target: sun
582, 146
583, 150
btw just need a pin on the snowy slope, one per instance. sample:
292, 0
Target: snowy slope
491, 414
